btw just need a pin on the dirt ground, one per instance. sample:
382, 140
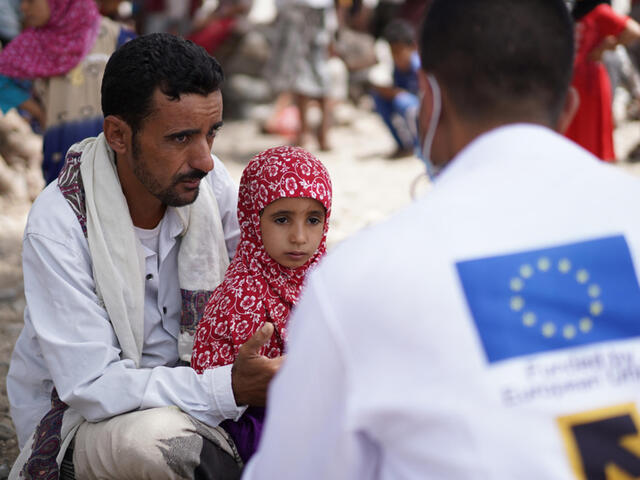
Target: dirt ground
367, 189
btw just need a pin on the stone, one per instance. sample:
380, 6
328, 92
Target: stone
6, 432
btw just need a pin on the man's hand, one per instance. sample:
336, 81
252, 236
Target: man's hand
252, 372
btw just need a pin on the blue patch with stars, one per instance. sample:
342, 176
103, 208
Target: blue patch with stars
553, 298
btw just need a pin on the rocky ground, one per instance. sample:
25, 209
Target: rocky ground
367, 188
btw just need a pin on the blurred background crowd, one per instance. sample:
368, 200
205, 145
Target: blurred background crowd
290, 65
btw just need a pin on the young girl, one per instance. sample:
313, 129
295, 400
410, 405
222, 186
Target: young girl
284, 205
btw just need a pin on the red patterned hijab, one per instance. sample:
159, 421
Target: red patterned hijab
55, 48
256, 288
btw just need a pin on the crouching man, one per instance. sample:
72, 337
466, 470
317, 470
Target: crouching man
120, 256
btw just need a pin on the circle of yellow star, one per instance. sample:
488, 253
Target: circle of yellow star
548, 329
517, 303
544, 264
596, 308
516, 284
526, 271
585, 325
564, 265
582, 276
569, 331
529, 319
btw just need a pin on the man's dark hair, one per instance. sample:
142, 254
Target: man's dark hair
500, 60
158, 60
399, 31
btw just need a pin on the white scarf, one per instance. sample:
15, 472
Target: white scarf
118, 259
89, 182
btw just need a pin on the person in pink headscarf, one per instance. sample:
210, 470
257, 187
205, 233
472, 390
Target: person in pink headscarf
59, 59
284, 205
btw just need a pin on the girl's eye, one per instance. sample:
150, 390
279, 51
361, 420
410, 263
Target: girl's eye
280, 220
181, 138
314, 220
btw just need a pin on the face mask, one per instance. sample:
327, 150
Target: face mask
425, 154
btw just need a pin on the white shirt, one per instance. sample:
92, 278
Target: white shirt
68, 340
387, 375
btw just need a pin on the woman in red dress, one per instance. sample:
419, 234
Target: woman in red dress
598, 28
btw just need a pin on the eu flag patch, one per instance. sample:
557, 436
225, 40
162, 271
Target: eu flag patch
560, 297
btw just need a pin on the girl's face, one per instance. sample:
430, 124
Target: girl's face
292, 229
36, 12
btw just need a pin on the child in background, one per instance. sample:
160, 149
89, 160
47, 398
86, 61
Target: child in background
284, 204
398, 104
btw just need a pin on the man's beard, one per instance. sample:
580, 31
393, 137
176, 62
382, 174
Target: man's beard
168, 195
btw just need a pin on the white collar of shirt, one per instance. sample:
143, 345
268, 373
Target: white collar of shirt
497, 146
163, 236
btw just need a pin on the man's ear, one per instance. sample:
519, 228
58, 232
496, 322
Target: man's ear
118, 134
569, 109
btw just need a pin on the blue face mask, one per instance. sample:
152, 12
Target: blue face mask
425, 153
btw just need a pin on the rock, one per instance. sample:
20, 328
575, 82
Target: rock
4, 471
20, 160
8, 294
6, 432
19, 304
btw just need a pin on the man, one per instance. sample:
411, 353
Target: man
491, 329
120, 256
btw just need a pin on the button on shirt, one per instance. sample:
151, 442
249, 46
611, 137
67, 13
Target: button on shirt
67, 339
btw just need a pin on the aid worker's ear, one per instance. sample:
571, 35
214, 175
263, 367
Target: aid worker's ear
118, 134
571, 104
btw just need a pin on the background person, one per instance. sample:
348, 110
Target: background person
299, 65
64, 49
398, 104
480, 332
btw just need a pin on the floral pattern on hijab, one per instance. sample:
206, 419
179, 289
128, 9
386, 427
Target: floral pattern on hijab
55, 48
256, 288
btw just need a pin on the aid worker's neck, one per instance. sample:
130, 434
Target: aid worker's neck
454, 133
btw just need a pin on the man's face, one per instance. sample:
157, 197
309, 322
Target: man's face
172, 150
